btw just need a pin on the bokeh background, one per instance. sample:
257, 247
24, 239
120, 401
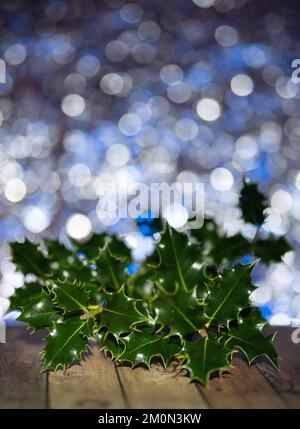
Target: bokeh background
150, 91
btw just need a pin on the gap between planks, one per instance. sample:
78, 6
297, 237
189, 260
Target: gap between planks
159, 389
97, 383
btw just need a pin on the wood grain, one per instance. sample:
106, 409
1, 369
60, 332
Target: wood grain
93, 384
157, 388
21, 383
286, 382
97, 383
243, 387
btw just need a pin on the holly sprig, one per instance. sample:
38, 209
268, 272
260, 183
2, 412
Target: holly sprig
188, 302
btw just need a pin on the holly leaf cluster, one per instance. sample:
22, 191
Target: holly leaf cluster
188, 302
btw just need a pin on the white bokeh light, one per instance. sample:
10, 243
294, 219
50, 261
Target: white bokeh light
4, 306
204, 3
208, 109
176, 215
282, 201
130, 124
112, 83
73, 105
15, 190
117, 155
242, 85
78, 226
221, 179
261, 295
79, 175
35, 219
186, 129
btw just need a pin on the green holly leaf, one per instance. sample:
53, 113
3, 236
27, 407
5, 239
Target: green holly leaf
112, 262
182, 312
228, 295
29, 259
142, 347
219, 249
141, 285
177, 261
24, 294
216, 248
69, 296
271, 249
252, 203
248, 336
109, 343
90, 249
205, 356
119, 312
37, 309
39, 313
64, 344
65, 264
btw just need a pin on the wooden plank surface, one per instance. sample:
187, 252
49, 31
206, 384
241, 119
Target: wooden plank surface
93, 384
97, 383
243, 387
21, 383
157, 388
286, 382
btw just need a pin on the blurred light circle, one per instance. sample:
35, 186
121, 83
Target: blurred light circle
117, 155
79, 174
255, 55
130, 124
116, 50
246, 147
208, 109
14, 278
149, 31
75, 82
226, 36
282, 201
4, 306
78, 226
75, 141
179, 93
73, 105
296, 305
280, 319
297, 180
221, 179
143, 53
159, 106
280, 276
204, 3
131, 13
261, 295
186, 129
112, 83
171, 74
241, 85
176, 215
273, 220
270, 136
88, 65
15, 190
286, 88
35, 219
15, 54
